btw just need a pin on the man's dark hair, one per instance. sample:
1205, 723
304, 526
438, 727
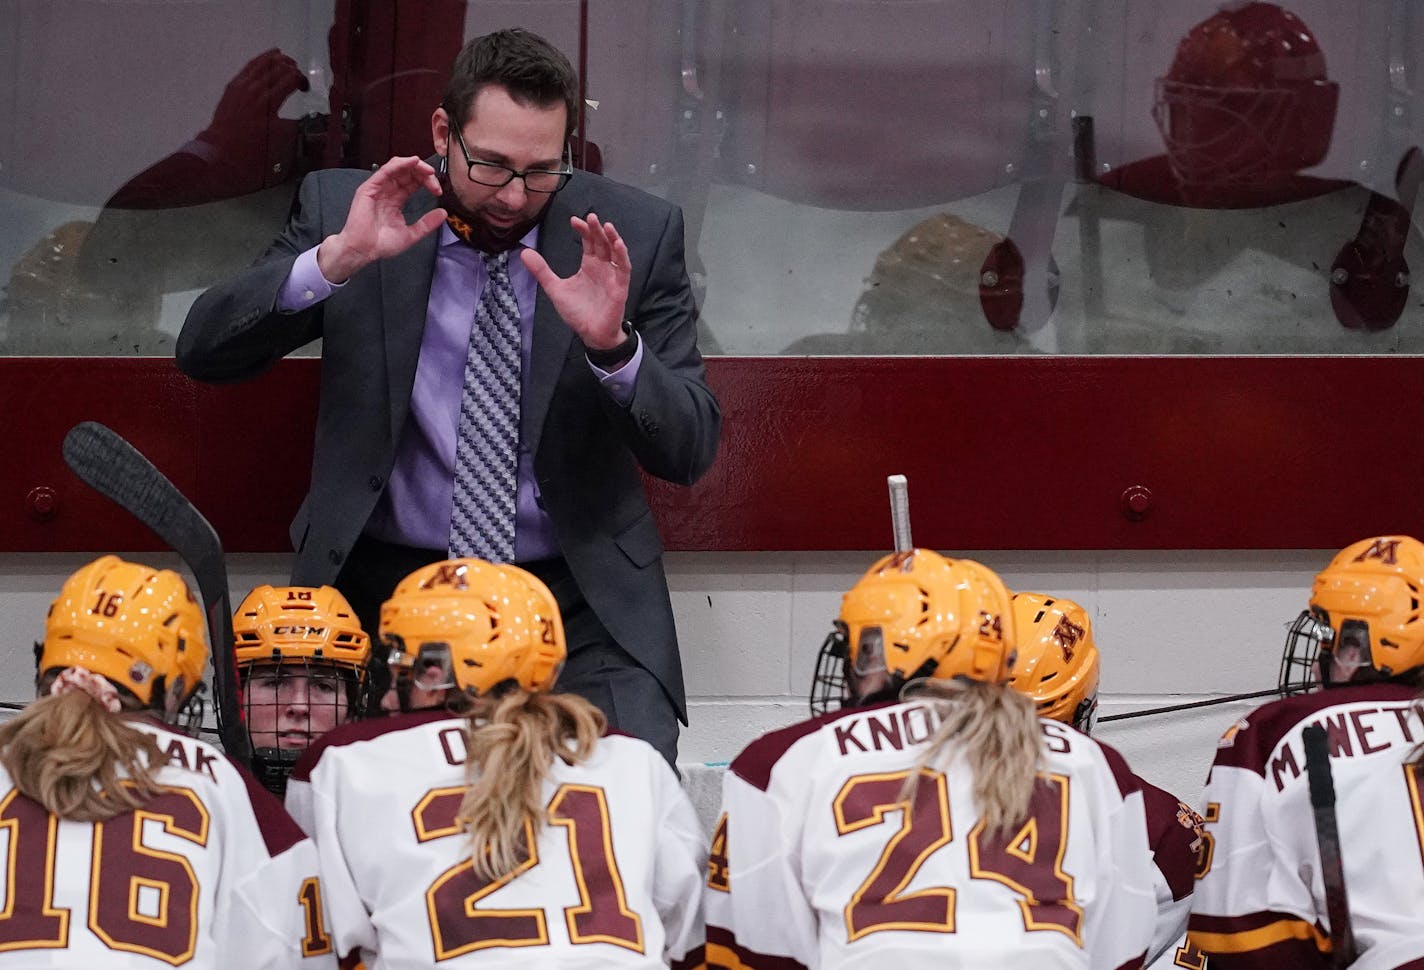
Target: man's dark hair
531, 69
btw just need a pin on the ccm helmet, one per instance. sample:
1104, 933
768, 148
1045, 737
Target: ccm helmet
1057, 666
283, 632
139, 627
475, 626
303, 626
915, 614
1364, 620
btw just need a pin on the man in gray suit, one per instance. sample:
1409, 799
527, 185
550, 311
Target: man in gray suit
601, 372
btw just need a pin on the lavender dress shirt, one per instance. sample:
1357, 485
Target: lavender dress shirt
415, 507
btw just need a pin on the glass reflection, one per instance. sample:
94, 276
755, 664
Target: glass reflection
857, 177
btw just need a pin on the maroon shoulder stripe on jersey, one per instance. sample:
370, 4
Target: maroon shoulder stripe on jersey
368, 730
1173, 841
724, 952
279, 832
755, 763
1127, 782
1250, 747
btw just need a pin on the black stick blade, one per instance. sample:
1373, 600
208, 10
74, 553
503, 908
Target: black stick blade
114, 468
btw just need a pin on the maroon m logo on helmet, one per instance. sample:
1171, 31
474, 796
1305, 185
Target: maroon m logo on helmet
1382, 549
447, 574
1067, 636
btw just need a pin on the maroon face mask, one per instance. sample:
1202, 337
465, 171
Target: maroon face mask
474, 229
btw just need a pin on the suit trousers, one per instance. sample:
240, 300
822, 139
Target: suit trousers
598, 668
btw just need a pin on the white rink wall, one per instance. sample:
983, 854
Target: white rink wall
1171, 626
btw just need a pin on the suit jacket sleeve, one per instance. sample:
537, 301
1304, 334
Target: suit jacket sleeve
673, 421
233, 331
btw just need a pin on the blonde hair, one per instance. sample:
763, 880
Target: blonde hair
78, 760
512, 740
996, 727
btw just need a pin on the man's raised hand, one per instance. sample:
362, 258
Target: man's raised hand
591, 301
375, 227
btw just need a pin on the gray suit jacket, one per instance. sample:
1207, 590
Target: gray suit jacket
587, 448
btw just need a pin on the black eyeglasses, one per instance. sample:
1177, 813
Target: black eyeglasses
535, 179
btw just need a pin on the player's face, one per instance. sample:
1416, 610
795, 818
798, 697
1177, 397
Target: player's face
290, 709
420, 690
519, 136
867, 675
1346, 657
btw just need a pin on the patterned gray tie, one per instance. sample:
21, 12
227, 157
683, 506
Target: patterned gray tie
487, 443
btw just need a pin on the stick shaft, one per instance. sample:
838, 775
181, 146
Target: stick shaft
1327, 837
900, 512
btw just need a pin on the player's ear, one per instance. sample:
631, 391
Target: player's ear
440, 130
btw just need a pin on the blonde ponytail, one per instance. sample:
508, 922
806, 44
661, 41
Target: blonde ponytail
996, 728
78, 760
512, 740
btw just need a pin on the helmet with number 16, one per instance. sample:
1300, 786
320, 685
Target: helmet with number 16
139, 627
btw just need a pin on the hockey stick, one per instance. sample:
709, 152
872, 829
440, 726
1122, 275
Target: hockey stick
900, 512
117, 470
1189, 705
1327, 836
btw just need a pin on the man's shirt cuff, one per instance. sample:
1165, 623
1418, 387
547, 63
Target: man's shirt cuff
304, 286
620, 382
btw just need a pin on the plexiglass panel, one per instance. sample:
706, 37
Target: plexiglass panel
858, 176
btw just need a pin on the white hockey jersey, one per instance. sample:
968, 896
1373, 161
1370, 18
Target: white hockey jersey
210, 873
1260, 902
1175, 832
614, 880
816, 863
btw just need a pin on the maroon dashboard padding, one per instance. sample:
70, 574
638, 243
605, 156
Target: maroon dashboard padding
1001, 453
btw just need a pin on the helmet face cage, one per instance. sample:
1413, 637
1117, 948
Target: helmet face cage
288, 704
1219, 136
1085, 715
190, 711
1300, 660
830, 687
273, 767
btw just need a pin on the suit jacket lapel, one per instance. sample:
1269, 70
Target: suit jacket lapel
405, 294
560, 247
